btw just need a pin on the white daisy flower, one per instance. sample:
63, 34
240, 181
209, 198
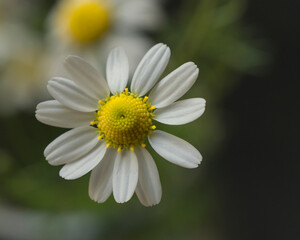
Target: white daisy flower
24, 64
91, 28
23, 68
109, 130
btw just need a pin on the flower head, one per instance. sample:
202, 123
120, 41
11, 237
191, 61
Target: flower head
84, 21
23, 64
111, 123
93, 27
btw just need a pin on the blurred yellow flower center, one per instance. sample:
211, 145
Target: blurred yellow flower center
88, 21
124, 120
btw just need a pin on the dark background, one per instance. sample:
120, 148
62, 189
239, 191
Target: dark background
258, 169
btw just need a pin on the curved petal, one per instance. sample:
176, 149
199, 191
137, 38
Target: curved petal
125, 175
55, 114
117, 70
79, 168
174, 85
150, 68
71, 95
175, 149
181, 112
86, 77
71, 145
100, 186
148, 188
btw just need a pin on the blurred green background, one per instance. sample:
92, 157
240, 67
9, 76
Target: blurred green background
247, 76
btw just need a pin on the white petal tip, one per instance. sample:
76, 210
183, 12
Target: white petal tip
196, 163
167, 51
159, 45
37, 115
151, 205
70, 58
69, 176
97, 200
66, 177
38, 106
122, 201
46, 152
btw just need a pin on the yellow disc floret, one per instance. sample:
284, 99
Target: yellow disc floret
124, 120
88, 21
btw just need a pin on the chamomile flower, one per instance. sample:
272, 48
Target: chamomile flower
91, 28
23, 68
111, 123
24, 64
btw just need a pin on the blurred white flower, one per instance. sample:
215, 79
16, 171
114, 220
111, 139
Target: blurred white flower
91, 28
109, 130
23, 71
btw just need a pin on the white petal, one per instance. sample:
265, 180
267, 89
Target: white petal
181, 112
174, 85
100, 186
71, 95
71, 145
175, 149
139, 14
150, 68
55, 114
85, 164
86, 77
148, 188
125, 175
117, 70
134, 44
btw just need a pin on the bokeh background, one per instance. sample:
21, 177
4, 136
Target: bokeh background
245, 188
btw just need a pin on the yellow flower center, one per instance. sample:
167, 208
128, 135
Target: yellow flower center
124, 120
88, 21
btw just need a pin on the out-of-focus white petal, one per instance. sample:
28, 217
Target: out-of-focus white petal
85, 164
71, 145
55, 114
125, 175
135, 45
100, 186
175, 149
71, 95
150, 68
117, 70
139, 14
181, 112
174, 85
86, 77
148, 188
